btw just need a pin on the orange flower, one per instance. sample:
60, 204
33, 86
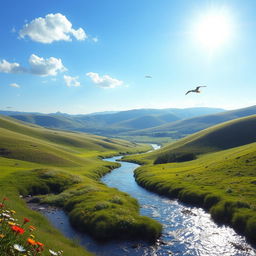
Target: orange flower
31, 241
40, 244
32, 228
17, 229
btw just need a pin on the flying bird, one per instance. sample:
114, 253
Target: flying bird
148, 76
197, 90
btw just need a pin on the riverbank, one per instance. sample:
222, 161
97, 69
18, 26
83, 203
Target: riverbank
222, 182
104, 213
186, 230
64, 169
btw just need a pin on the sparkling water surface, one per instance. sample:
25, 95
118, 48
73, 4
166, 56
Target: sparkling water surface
188, 231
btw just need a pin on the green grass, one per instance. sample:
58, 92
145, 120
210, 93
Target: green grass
227, 135
64, 168
222, 179
191, 124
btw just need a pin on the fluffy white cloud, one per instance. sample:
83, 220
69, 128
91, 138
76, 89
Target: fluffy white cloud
54, 27
7, 67
45, 67
71, 81
105, 81
37, 66
14, 85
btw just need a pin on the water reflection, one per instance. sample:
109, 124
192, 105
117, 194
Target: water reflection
188, 231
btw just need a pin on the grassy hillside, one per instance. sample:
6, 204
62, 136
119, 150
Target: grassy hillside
142, 122
181, 128
223, 136
111, 124
63, 169
221, 179
50, 121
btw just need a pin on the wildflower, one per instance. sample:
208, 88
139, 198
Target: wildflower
32, 236
13, 212
19, 248
17, 229
40, 244
25, 220
31, 241
5, 198
32, 228
11, 223
6, 215
52, 252
2, 235
1, 205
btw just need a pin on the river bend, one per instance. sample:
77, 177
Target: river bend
188, 231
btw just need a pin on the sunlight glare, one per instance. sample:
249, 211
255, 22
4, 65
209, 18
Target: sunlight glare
213, 29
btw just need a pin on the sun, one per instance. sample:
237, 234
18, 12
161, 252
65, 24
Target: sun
213, 29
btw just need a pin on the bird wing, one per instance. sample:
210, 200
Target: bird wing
188, 92
200, 87
148, 76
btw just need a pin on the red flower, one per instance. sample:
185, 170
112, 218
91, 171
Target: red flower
26, 220
17, 229
5, 198
1, 205
40, 244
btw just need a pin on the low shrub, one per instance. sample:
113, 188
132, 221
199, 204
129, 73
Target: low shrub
175, 157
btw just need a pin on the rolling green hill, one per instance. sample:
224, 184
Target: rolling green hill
63, 168
220, 177
141, 122
181, 128
50, 121
230, 134
111, 124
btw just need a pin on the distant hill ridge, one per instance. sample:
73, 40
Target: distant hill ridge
181, 128
29, 142
111, 123
227, 135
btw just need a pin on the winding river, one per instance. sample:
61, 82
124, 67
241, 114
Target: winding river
188, 231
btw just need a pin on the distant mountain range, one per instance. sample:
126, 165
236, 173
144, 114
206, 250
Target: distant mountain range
181, 128
111, 123
158, 123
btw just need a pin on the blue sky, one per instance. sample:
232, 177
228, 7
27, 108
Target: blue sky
85, 56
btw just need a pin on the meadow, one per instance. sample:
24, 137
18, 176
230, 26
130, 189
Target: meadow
63, 169
221, 177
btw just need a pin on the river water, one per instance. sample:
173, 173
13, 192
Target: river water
188, 231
